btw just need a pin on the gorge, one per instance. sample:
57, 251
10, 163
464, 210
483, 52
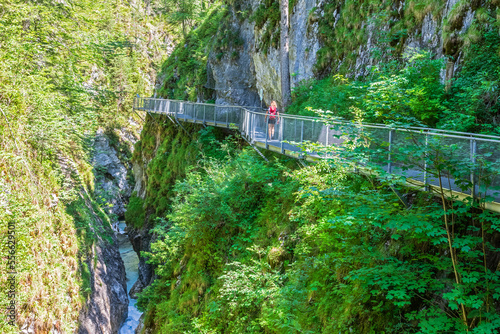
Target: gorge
129, 221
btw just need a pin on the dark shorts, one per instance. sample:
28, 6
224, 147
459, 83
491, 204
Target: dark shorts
272, 120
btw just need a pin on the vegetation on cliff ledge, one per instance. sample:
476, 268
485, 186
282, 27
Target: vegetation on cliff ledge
255, 247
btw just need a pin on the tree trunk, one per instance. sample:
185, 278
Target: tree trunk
184, 33
284, 55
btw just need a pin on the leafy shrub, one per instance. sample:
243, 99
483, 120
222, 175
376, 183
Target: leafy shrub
254, 247
473, 103
411, 94
135, 214
185, 71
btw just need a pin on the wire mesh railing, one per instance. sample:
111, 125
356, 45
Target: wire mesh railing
463, 162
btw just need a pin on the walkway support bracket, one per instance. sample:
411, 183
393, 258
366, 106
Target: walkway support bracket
183, 128
256, 149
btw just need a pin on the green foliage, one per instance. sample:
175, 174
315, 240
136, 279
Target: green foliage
413, 93
227, 38
66, 68
200, 238
185, 71
346, 26
267, 21
267, 18
183, 12
461, 229
250, 247
474, 100
170, 152
135, 213
342, 38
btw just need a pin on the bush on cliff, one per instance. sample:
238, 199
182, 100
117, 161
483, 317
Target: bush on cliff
251, 247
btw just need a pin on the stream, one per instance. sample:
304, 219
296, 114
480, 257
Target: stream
131, 261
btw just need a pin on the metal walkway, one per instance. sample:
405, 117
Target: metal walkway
480, 154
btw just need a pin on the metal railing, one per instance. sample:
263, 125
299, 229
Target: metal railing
407, 151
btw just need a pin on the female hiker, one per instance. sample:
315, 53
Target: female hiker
273, 118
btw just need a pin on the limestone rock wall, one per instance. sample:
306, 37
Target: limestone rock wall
111, 155
253, 77
107, 307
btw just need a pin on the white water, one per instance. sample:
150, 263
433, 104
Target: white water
131, 262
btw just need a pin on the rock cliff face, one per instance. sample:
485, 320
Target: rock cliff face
141, 241
252, 78
107, 305
106, 309
111, 183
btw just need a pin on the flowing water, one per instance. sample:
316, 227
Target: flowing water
131, 262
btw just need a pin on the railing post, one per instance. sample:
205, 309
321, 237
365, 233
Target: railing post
326, 142
252, 125
249, 124
327, 130
245, 124
281, 133
473, 149
295, 129
227, 118
266, 128
302, 132
389, 164
426, 154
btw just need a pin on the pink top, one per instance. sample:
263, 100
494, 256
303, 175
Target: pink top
272, 112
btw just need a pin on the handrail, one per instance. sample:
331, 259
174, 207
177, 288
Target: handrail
416, 129
252, 123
